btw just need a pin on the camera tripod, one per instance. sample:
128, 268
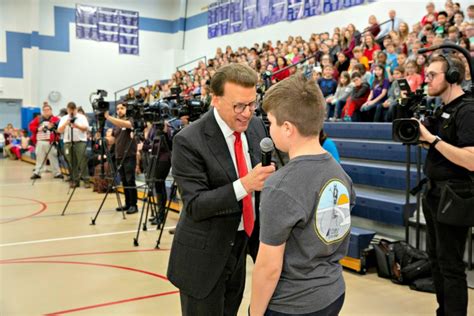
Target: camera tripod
114, 174
71, 171
159, 211
60, 153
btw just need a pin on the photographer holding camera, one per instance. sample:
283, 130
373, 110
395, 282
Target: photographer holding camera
74, 127
43, 130
126, 154
449, 195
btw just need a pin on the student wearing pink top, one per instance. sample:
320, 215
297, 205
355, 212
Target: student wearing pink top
413, 77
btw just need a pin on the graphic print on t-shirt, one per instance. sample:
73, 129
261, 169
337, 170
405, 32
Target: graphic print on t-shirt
332, 220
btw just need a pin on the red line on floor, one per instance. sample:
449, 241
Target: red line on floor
84, 254
156, 275
112, 303
43, 208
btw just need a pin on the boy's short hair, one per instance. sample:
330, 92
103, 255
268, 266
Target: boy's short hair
444, 13
399, 69
357, 50
452, 29
328, 66
356, 74
71, 105
297, 100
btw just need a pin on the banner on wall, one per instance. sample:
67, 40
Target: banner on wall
232, 16
271, 11
224, 17
249, 9
109, 25
128, 32
295, 10
212, 20
235, 16
313, 8
332, 5
86, 22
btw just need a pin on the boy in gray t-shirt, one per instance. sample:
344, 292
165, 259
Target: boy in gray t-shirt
304, 213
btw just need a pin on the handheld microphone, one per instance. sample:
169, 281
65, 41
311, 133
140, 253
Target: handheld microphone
266, 146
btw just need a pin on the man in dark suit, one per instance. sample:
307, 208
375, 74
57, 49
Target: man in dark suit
215, 162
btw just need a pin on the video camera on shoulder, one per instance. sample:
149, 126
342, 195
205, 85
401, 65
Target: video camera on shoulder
405, 128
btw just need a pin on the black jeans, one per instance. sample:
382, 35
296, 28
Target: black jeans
445, 245
162, 170
127, 175
332, 310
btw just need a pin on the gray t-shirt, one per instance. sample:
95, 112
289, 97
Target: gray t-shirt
307, 205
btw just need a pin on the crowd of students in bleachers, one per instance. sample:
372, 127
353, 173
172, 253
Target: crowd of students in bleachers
356, 70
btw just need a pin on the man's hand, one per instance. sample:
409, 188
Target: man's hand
254, 180
106, 115
425, 135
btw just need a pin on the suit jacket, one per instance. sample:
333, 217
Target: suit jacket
204, 171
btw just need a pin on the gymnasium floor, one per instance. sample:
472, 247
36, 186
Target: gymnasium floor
54, 265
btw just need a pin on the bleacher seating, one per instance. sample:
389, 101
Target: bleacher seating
377, 167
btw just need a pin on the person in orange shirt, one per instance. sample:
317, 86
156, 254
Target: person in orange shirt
357, 51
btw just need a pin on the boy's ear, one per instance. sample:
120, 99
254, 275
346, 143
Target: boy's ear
288, 128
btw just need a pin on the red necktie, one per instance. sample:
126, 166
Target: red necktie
247, 200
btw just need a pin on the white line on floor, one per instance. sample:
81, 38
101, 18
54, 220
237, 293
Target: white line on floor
72, 238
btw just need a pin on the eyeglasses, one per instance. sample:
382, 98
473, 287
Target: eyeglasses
430, 75
240, 107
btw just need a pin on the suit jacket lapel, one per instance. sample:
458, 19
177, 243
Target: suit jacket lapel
218, 146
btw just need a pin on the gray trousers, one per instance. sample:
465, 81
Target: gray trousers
77, 160
42, 148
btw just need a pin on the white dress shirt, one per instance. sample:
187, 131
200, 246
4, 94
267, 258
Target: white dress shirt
77, 134
228, 133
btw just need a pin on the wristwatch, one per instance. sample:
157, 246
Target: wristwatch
437, 139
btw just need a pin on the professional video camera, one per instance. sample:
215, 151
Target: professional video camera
100, 106
405, 128
193, 107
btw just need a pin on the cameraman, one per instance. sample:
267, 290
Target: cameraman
450, 135
74, 127
126, 155
42, 129
160, 147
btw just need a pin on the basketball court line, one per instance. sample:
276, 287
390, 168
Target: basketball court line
72, 238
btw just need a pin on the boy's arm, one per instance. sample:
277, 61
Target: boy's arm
265, 276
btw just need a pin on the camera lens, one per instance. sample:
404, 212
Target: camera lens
408, 131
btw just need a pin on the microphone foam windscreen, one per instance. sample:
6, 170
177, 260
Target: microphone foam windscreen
266, 144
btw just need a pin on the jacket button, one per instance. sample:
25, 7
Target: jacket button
231, 243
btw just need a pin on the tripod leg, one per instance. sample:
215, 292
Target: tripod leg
172, 196
146, 203
100, 207
84, 157
68, 200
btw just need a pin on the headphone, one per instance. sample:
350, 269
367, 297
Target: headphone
452, 73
